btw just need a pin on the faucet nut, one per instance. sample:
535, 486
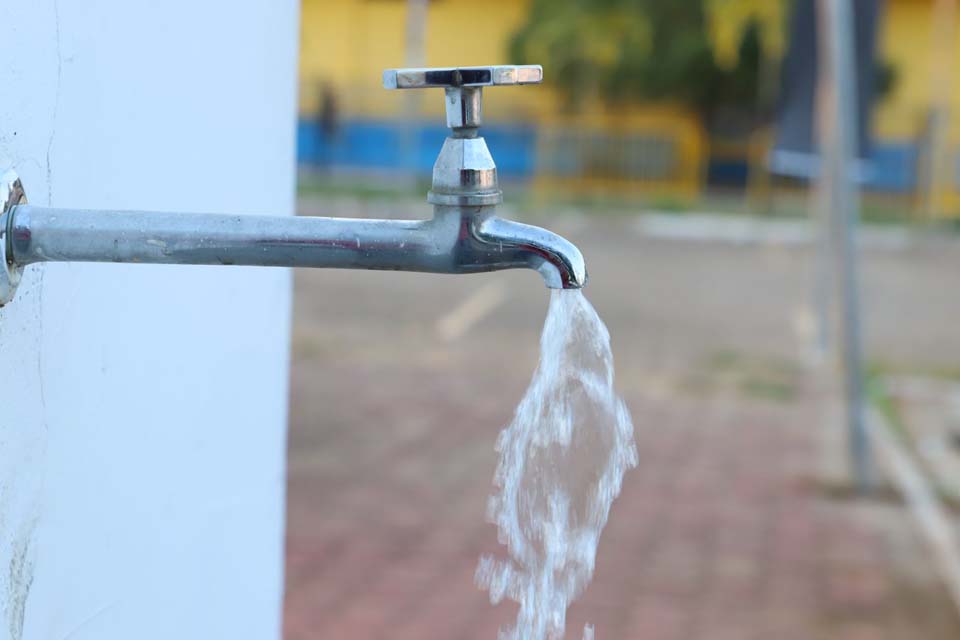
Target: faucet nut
465, 174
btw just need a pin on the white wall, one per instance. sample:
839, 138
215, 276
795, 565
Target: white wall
143, 408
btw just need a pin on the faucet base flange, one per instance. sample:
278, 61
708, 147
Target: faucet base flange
11, 194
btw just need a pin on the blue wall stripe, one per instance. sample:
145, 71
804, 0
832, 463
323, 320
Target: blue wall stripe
371, 144
375, 144
893, 167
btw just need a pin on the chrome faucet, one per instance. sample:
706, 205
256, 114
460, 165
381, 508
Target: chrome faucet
464, 236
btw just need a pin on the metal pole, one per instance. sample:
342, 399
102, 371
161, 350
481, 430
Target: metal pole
838, 147
943, 37
416, 56
822, 292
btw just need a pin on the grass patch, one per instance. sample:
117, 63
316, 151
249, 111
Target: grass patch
723, 360
767, 379
670, 204
883, 402
768, 389
331, 186
886, 405
880, 368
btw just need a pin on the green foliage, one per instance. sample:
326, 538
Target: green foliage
887, 76
630, 50
624, 50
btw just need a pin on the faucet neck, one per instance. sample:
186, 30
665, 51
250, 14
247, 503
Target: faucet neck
464, 173
464, 108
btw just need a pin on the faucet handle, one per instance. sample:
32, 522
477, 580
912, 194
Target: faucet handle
456, 77
463, 87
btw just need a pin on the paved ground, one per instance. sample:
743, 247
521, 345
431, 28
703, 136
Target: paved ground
724, 530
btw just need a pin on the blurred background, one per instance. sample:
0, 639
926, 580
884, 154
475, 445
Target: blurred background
669, 106
674, 143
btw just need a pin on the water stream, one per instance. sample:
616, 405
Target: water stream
561, 465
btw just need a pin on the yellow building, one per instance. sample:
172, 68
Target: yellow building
345, 45
921, 119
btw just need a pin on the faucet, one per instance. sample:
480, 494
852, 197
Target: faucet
464, 236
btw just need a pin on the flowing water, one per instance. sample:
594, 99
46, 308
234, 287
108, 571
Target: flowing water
562, 461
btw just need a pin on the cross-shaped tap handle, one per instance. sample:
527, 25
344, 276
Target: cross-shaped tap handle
463, 86
462, 76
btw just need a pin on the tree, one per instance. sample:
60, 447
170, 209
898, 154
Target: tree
640, 50
627, 50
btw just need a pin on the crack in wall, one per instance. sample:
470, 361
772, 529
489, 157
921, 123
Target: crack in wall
56, 100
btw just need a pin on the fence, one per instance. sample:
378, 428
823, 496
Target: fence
649, 151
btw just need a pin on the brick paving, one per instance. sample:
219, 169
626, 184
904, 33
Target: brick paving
722, 531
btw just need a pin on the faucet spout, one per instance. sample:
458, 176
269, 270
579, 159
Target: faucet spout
518, 245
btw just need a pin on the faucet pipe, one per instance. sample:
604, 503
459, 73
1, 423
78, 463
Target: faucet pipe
456, 240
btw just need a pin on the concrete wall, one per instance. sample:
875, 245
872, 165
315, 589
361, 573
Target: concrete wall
142, 429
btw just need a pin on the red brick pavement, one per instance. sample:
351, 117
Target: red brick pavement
720, 533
